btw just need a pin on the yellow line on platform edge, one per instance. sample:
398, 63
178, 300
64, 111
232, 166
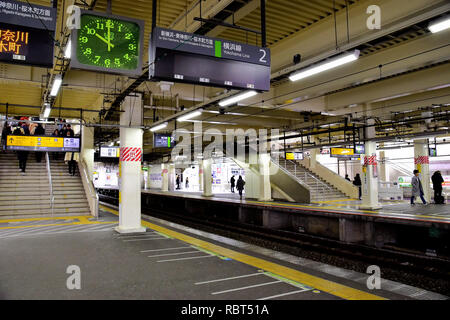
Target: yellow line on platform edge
44, 218
55, 224
327, 286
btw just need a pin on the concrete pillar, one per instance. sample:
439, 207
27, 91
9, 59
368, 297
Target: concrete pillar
207, 177
130, 166
265, 191
171, 177
200, 177
422, 163
384, 174
164, 177
87, 148
369, 176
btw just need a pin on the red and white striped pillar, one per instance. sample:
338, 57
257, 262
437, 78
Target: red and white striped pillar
369, 177
130, 166
422, 163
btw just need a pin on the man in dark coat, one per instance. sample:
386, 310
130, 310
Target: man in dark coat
437, 184
39, 131
233, 183
240, 185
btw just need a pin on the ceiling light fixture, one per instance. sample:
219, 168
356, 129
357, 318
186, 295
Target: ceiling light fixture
326, 65
190, 115
47, 110
56, 85
439, 25
237, 98
159, 127
68, 51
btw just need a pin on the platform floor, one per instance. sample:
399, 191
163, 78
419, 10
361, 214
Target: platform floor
390, 209
163, 263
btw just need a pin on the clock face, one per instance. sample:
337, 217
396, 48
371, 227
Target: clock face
108, 43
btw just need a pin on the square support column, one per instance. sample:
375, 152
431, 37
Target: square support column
207, 178
164, 177
265, 189
422, 163
130, 166
369, 176
87, 148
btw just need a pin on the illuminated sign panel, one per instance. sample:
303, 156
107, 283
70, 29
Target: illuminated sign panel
26, 33
162, 140
110, 152
43, 143
342, 152
189, 58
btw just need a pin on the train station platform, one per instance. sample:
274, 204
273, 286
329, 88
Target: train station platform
168, 261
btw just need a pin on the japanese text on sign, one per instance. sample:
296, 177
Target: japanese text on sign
13, 41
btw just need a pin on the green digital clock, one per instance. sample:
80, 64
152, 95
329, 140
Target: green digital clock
108, 43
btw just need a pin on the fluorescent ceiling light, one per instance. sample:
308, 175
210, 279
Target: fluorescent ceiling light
327, 114
190, 115
326, 65
47, 110
238, 97
159, 127
56, 85
68, 51
439, 25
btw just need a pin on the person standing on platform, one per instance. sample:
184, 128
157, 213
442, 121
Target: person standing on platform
417, 190
437, 187
178, 182
39, 131
347, 178
232, 182
357, 182
63, 131
187, 183
72, 158
69, 129
240, 186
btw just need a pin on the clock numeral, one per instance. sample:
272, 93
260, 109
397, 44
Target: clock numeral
90, 31
97, 59
120, 28
107, 62
117, 61
109, 24
132, 46
88, 51
128, 35
84, 39
100, 26
126, 56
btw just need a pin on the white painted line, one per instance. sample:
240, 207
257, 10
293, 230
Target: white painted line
173, 254
208, 256
284, 294
248, 287
145, 239
140, 237
137, 236
231, 278
153, 250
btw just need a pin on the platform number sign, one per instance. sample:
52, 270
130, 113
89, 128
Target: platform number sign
108, 43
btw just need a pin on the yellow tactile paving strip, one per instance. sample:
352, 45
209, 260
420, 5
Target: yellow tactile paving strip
82, 220
327, 286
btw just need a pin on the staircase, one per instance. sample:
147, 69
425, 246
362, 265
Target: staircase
30, 194
23, 194
68, 191
319, 189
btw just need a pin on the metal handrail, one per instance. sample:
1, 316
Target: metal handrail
275, 161
93, 193
50, 182
398, 167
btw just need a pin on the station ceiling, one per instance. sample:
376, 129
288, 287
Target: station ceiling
411, 57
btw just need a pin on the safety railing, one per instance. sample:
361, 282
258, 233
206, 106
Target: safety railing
289, 173
301, 173
399, 168
50, 181
89, 188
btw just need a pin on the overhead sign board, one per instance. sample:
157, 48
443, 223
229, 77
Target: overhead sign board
294, 156
185, 57
26, 33
43, 143
360, 149
162, 140
342, 152
110, 152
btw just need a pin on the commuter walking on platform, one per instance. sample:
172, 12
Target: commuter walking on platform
39, 131
178, 182
232, 182
187, 183
417, 190
21, 155
5, 132
240, 186
437, 187
357, 182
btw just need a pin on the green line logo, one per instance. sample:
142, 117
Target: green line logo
218, 49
